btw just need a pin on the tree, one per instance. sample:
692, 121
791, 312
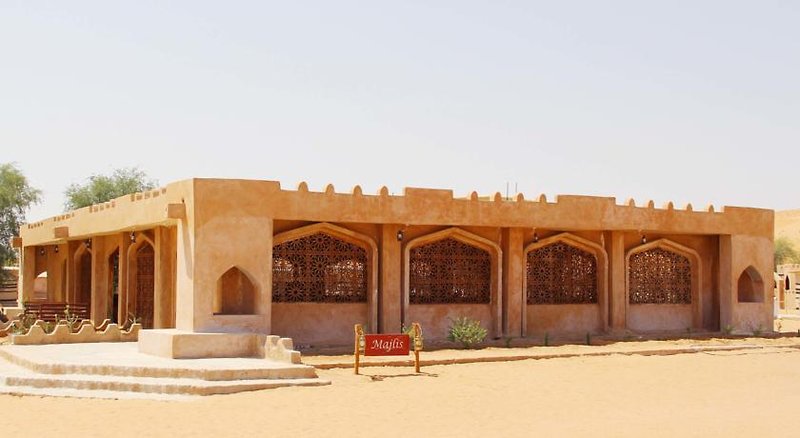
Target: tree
785, 252
103, 188
16, 196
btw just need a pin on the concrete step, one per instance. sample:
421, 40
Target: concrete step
223, 369
152, 385
88, 393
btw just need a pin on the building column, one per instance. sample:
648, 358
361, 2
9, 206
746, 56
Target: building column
27, 274
725, 281
390, 297
99, 305
616, 283
164, 266
122, 304
513, 272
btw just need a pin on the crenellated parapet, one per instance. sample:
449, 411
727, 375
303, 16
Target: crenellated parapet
226, 197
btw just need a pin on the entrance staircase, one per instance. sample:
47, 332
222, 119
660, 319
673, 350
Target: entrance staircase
57, 370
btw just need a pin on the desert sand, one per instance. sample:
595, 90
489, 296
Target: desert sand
732, 393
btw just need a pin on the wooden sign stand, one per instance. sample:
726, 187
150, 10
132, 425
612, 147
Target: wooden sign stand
387, 344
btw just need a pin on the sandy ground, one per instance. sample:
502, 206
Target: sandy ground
737, 393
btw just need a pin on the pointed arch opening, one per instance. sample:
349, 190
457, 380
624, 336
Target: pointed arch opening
750, 286
455, 268
565, 286
663, 278
144, 297
83, 276
324, 280
236, 294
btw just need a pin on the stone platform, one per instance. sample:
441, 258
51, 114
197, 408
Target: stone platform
119, 370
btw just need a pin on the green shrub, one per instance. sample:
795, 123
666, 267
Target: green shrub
466, 331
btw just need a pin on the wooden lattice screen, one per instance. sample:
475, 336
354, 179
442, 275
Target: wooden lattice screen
658, 276
561, 274
145, 285
319, 268
449, 271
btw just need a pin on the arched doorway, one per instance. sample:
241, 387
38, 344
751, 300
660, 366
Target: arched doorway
84, 283
113, 285
145, 285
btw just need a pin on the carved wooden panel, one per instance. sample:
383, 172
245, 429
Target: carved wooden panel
145, 285
658, 276
449, 271
561, 274
320, 269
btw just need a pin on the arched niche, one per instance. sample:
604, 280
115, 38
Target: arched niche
492, 307
324, 280
662, 278
585, 265
235, 294
750, 286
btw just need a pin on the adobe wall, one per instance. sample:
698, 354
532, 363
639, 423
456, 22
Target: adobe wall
208, 226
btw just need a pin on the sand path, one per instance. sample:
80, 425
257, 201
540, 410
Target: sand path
739, 393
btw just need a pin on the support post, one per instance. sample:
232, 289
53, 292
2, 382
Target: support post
99, 305
27, 274
513, 270
617, 283
725, 281
164, 267
390, 296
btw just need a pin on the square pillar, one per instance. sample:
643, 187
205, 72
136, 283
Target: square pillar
617, 303
100, 292
390, 280
513, 272
725, 281
27, 274
164, 309
122, 285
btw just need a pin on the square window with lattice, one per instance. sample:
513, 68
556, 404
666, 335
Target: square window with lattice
319, 268
449, 271
561, 274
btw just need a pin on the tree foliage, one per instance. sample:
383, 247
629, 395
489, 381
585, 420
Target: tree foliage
785, 252
103, 188
16, 196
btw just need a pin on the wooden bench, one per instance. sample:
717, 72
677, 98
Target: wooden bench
8, 292
54, 312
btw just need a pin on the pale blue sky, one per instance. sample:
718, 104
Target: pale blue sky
690, 101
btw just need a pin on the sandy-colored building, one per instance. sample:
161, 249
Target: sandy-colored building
207, 256
787, 290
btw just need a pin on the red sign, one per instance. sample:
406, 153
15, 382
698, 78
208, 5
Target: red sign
386, 345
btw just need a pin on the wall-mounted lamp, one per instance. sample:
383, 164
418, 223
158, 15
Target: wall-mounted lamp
42, 251
644, 239
133, 236
535, 237
55, 249
87, 243
400, 235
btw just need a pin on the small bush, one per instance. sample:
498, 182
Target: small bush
466, 331
728, 329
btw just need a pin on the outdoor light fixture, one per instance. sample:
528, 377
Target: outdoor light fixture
399, 235
133, 236
644, 239
87, 243
41, 251
55, 248
535, 237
